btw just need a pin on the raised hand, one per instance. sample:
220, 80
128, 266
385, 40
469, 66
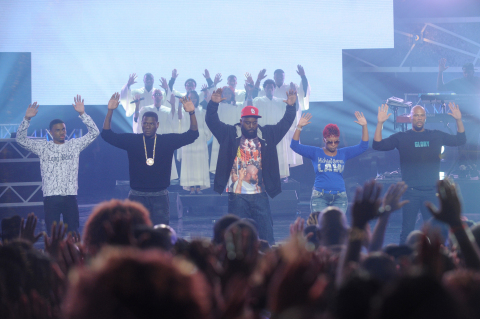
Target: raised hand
450, 206
131, 79
204, 88
296, 229
32, 110
291, 97
383, 114
262, 75
164, 84
206, 75
455, 111
27, 230
174, 73
391, 200
300, 70
218, 79
361, 120
248, 78
78, 105
114, 101
52, 244
304, 120
217, 96
187, 104
441, 65
366, 204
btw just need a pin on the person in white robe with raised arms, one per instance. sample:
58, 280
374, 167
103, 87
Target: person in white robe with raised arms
166, 120
194, 173
303, 98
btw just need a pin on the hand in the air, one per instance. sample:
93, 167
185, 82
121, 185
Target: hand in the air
217, 96
383, 114
164, 84
187, 104
32, 110
442, 65
455, 111
114, 101
304, 120
291, 97
300, 70
206, 75
249, 78
131, 79
78, 105
450, 210
174, 73
218, 79
392, 199
262, 75
361, 120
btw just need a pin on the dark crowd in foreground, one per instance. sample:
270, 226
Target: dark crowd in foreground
124, 267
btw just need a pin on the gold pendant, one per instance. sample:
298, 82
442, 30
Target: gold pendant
149, 161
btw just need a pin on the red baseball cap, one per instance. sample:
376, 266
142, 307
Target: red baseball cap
250, 111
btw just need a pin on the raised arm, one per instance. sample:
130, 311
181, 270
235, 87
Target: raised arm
282, 127
125, 95
301, 72
22, 138
457, 115
450, 212
172, 79
190, 109
441, 69
217, 127
304, 121
382, 116
362, 121
112, 105
93, 131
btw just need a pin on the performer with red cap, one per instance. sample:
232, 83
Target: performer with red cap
247, 166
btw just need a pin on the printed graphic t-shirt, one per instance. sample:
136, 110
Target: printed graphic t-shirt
247, 164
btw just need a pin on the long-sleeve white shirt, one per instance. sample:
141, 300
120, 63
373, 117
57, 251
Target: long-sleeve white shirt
58, 162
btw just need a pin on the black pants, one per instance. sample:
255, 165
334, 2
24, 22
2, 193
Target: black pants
417, 199
54, 206
158, 206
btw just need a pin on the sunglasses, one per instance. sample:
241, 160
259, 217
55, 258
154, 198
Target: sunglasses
332, 142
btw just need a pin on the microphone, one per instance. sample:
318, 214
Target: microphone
135, 101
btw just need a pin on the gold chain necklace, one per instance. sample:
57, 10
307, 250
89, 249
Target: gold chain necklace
150, 161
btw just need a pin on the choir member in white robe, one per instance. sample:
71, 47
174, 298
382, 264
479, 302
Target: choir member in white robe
127, 95
273, 109
239, 94
280, 91
229, 113
194, 174
166, 118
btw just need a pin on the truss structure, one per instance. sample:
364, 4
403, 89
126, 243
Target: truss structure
24, 200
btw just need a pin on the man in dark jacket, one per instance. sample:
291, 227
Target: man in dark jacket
247, 166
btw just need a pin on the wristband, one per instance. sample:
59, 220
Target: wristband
191, 113
299, 128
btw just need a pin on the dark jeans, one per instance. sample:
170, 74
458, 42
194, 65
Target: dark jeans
54, 206
256, 207
158, 206
417, 199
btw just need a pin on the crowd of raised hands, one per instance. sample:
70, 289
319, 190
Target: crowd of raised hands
122, 267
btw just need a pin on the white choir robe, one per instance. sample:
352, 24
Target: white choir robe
194, 156
166, 126
271, 112
240, 96
228, 114
294, 159
127, 95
